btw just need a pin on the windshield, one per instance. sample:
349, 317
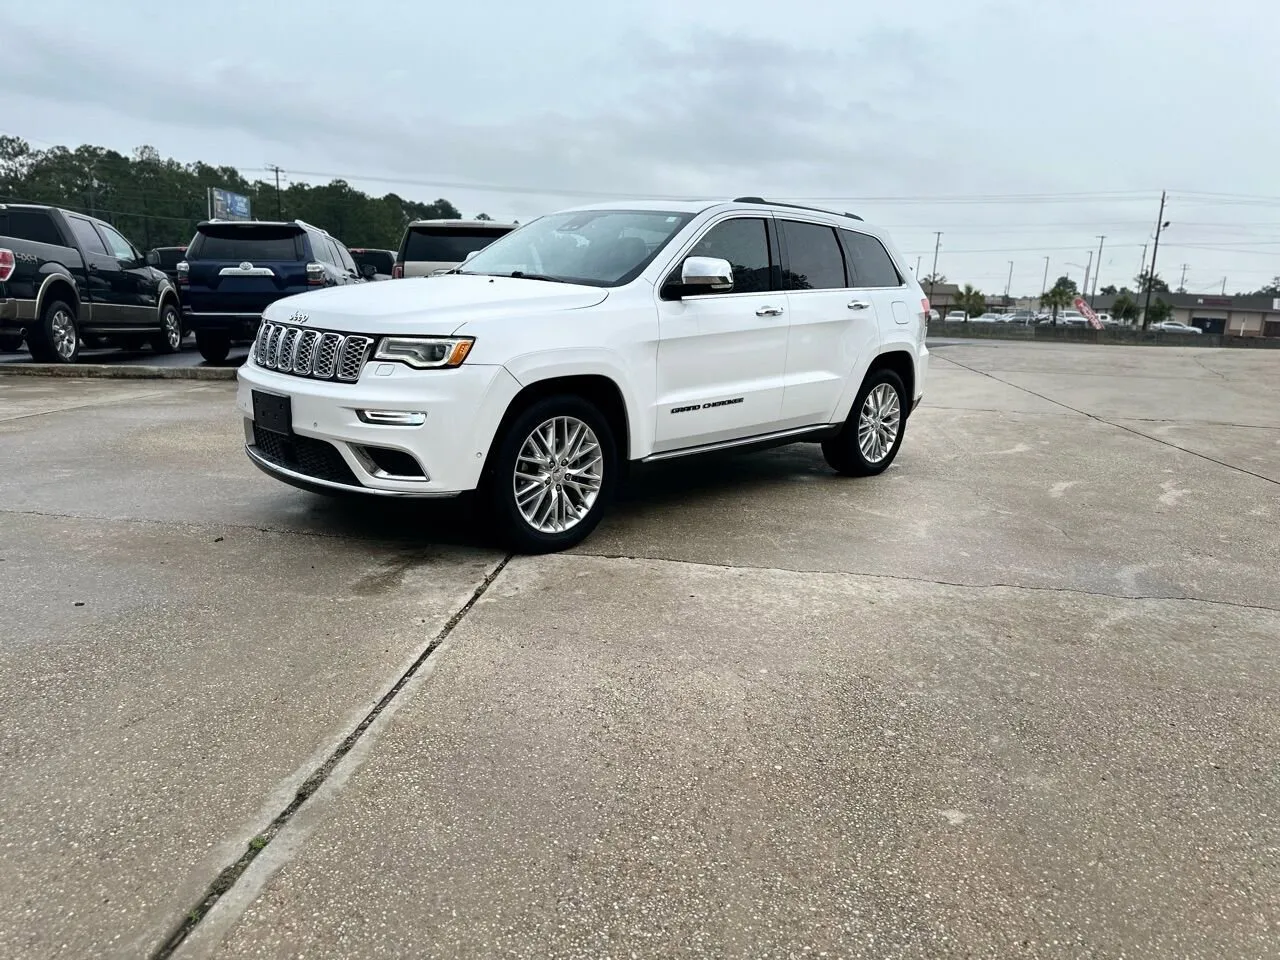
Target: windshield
601, 248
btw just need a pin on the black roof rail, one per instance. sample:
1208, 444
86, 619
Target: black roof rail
794, 206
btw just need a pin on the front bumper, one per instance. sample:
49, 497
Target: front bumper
463, 409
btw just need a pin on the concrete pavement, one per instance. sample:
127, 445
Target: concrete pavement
1015, 697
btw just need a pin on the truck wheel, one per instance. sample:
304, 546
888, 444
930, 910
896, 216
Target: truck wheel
554, 471
870, 438
213, 346
170, 338
55, 338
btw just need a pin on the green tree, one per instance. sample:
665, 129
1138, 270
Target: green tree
1126, 309
1109, 290
1145, 280
1060, 295
157, 201
483, 216
1159, 312
1271, 289
971, 300
933, 278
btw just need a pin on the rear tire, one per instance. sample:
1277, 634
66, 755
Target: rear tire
213, 346
554, 471
872, 436
171, 333
55, 338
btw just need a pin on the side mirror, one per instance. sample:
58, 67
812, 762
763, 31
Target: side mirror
368, 271
707, 274
469, 256
153, 258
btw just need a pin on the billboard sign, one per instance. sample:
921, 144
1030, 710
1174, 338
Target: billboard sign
225, 205
1088, 313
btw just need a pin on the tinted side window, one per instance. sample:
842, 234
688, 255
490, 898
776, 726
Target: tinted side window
869, 262
87, 237
320, 248
814, 261
745, 244
34, 225
338, 259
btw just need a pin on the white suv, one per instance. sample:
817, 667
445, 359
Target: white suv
586, 340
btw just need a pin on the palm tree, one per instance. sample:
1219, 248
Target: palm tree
1060, 295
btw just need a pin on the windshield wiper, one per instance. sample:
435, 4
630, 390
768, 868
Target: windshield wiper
521, 275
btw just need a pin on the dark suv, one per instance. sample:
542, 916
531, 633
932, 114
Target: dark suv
235, 268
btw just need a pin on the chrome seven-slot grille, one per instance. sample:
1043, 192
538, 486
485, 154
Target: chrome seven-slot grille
321, 354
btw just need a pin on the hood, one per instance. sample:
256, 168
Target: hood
435, 305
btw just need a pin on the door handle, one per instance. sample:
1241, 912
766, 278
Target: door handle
858, 305
769, 312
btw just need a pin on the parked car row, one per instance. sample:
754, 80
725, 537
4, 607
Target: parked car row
68, 280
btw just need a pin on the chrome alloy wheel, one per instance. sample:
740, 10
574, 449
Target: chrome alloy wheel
879, 422
63, 327
172, 328
558, 474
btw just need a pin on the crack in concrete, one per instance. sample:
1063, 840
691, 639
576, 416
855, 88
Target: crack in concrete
902, 577
226, 879
1118, 426
322, 534
84, 406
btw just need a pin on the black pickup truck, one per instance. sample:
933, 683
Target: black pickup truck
65, 277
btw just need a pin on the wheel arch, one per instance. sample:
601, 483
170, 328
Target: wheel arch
903, 364
600, 390
57, 285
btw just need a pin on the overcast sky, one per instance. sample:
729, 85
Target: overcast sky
913, 114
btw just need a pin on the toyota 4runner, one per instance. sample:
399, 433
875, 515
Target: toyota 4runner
586, 340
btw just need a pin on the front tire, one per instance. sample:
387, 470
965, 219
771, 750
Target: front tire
213, 346
56, 337
170, 338
554, 472
872, 436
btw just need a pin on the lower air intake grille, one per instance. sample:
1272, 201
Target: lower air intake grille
305, 455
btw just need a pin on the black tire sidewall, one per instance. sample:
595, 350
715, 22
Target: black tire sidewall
213, 347
848, 439
41, 345
512, 526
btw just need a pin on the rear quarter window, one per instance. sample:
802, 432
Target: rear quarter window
869, 262
246, 244
447, 245
33, 225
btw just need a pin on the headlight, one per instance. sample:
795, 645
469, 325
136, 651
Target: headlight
425, 353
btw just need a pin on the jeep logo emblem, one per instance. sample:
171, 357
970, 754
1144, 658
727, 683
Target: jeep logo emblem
299, 318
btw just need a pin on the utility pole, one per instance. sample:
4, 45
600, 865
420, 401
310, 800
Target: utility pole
933, 277
1155, 252
1182, 284
277, 171
1009, 285
918, 259
1224, 286
1045, 286
1084, 287
1097, 273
